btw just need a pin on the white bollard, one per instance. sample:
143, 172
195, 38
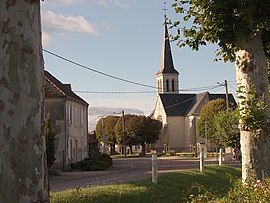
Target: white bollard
154, 169
202, 161
220, 157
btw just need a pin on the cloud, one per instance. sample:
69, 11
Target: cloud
54, 22
119, 3
95, 112
46, 38
65, 2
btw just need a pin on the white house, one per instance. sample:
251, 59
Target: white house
69, 118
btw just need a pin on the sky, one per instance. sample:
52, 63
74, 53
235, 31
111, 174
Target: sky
121, 38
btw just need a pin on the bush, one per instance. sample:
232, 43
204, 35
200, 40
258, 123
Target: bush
74, 166
252, 191
106, 158
99, 163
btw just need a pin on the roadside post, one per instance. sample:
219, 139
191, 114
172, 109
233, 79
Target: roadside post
154, 169
201, 158
220, 157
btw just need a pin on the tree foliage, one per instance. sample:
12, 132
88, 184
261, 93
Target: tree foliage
241, 29
253, 116
139, 130
109, 123
226, 126
50, 138
217, 123
222, 23
208, 113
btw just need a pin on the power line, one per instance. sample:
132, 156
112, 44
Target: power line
144, 92
96, 71
232, 87
114, 92
123, 80
167, 107
200, 88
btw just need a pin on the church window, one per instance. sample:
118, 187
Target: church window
167, 85
173, 85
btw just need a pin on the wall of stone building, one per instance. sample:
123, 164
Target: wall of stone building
56, 107
160, 115
77, 119
190, 133
176, 133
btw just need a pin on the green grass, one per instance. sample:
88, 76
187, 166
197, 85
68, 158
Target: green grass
175, 187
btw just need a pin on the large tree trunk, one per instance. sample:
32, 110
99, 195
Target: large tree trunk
23, 172
251, 72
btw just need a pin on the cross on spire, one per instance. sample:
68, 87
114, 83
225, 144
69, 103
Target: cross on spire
165, 8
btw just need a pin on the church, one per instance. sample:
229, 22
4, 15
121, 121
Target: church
179, 113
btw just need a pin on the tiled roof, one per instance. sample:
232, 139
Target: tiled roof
55, 88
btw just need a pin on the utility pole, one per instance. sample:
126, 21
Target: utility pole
227, 95
124, 133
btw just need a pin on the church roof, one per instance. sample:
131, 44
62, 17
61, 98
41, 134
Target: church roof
177, 104
203, 98
166, 63
190, 104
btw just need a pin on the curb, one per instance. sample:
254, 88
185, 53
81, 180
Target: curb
75, 175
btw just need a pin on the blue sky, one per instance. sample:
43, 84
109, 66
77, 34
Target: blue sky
122, 38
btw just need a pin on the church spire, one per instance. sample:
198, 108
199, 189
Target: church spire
167, 77
166, 64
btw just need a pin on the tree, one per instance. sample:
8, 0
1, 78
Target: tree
216, 122
22, 150
208, 113
109, 123
139, 130
151, 130
93, 145
224, 123
241, 30
49, 137
131, 123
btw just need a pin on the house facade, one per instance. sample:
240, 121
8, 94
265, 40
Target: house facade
179, 113
69, 119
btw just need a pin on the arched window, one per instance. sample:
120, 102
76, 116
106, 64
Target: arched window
167, 85
173, 85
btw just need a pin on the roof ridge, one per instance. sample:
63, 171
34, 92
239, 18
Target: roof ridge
55, 86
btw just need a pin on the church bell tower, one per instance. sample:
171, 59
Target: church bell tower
167, 77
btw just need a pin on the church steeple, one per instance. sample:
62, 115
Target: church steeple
167, 76
166, 63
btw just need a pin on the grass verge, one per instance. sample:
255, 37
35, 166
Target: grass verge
175, 187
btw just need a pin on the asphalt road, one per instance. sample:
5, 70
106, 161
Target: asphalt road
124, 170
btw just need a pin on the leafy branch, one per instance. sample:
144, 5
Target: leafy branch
252, 111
